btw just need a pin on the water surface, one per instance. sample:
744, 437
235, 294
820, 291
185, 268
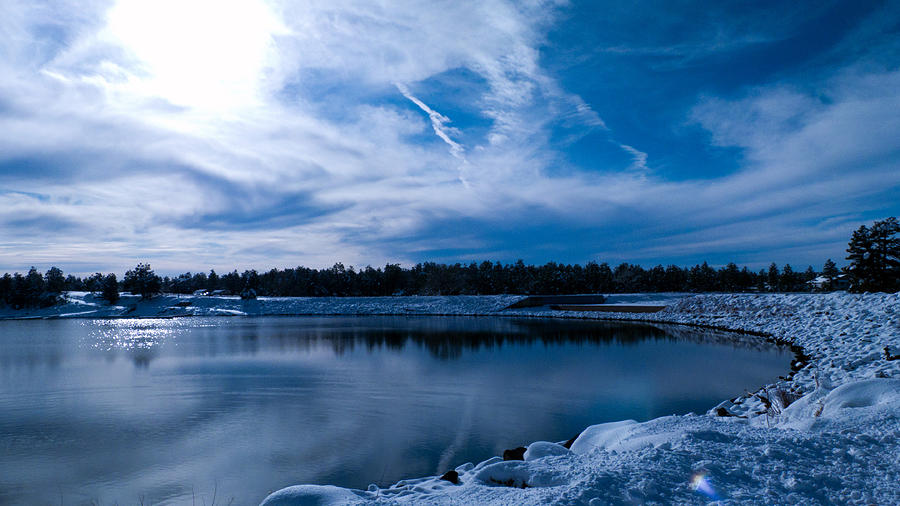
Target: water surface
170, 411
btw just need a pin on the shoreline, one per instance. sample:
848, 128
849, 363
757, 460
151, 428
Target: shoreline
800, 355
839, 338
839, 407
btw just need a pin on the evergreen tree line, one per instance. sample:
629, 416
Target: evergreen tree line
37, 290
429, 278
488, 278
874, 254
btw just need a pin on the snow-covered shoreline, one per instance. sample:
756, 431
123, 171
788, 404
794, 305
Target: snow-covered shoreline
86, 305
837, 443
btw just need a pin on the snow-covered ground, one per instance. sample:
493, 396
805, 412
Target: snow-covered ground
86, 305
836, 443
645, 299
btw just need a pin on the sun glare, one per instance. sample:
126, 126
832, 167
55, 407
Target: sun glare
197, 53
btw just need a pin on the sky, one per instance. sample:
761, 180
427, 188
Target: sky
258, 134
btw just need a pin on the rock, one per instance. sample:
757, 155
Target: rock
514, 454
723, 412
568, 444
451, 476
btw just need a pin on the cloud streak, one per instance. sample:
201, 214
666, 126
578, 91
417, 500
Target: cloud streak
438, 123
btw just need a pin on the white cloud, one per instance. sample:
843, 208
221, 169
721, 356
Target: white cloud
638, 159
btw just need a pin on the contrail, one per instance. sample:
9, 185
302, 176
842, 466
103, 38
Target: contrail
438, 122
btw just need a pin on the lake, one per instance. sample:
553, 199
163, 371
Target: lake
170, 411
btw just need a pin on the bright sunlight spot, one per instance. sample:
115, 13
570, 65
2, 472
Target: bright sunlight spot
197, 53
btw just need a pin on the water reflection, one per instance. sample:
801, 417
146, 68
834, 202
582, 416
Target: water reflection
113, 410
447, 338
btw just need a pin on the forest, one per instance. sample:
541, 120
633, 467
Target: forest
873, 252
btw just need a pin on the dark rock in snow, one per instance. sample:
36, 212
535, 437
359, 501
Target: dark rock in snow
451, 476
568, 444
723, 412
514, 454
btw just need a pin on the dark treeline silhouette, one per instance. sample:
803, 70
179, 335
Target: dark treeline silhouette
44, 290
490, 278
486, 278
874, 254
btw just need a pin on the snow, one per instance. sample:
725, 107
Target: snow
518, 474
311, 495
541, 449
644, 299
837, 442
601, 435
86, 305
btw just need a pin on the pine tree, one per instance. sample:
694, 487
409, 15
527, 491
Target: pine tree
6, 288
142, 281
830, 270
74, 284
110, 289
788, 280
859, 253
212, 281
729, 277
809, 274
17, 296
33, 287
55, 281
874, 255
772, 277
886, 254
94, 283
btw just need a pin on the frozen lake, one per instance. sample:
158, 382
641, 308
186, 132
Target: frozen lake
160, 410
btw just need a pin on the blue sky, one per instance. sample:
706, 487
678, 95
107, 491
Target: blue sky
198, 134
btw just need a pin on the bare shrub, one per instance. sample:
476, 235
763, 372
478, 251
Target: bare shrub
782, 398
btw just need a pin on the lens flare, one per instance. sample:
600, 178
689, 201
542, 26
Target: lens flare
702, 485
